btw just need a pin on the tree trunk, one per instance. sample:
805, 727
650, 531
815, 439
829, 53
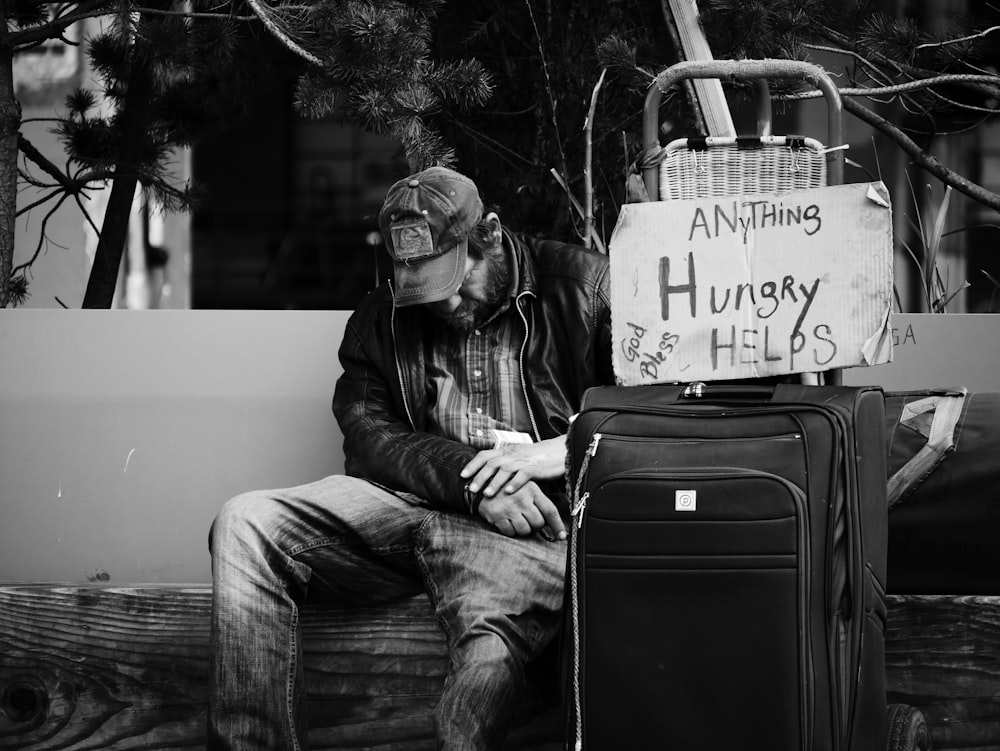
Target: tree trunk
114, 231
10, 124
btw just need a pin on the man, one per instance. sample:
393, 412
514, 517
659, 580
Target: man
459, 383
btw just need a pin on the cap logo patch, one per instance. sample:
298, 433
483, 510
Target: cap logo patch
411, 239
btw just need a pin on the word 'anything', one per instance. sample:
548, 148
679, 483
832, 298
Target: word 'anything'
762, 214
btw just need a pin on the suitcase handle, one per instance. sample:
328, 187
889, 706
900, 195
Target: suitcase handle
698, 390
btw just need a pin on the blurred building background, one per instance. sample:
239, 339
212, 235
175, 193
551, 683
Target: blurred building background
288, 217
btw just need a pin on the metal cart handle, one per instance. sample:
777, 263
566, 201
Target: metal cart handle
745, 70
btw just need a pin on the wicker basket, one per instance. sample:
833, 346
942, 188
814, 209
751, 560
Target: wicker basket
722, 166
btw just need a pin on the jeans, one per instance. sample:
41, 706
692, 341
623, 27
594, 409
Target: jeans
343, 539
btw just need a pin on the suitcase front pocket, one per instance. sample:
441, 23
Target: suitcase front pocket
693, 592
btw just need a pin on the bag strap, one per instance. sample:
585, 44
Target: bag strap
943, 411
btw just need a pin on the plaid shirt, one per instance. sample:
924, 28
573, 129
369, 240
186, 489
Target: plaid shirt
474, 380
475, 383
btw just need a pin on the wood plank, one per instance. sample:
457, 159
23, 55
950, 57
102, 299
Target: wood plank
98, 666
682, 15
943, 656
126, 668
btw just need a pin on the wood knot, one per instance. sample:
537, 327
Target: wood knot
24, 700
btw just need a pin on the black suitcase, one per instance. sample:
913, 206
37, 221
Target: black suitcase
727, 567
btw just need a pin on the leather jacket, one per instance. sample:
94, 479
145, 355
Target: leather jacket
380, 400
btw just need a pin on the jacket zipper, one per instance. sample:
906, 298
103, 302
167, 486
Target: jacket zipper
399, 366
520, 363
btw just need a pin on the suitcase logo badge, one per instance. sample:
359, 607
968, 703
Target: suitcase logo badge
685, 500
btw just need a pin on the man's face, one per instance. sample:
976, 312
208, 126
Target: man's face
481, 293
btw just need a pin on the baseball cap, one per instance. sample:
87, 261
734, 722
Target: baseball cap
425, 221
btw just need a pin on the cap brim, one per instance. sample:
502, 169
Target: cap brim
435, 279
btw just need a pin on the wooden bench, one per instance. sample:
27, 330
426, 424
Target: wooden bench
98, 666
113, 469
127, 667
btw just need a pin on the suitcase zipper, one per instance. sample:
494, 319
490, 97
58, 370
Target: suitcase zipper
577, 508
579, 503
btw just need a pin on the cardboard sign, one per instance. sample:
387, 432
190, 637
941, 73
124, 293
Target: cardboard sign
752, 285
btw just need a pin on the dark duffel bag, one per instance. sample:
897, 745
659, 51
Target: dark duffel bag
944, 492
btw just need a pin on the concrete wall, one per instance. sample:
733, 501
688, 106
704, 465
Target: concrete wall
938, 351
122, 432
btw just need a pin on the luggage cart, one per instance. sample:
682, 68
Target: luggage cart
721, 165
713, 166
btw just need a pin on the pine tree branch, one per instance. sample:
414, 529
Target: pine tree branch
134, 119
264, 13
101, 175
24, 38
32, 153
922, 158
196, 14
904, 69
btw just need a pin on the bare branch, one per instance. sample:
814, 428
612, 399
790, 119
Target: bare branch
910, 71
41, 237
552, 105
501, 150
35, 204
899, 88
923, 159
196, 14
86, 215
31, 181
576, 205
588, 157
953, 131
870, 68
959, 40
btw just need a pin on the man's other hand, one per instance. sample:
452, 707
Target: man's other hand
523, 512
512, 466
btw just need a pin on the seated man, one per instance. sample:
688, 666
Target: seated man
459, 383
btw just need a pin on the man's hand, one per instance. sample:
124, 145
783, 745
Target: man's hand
513, 465
522, 512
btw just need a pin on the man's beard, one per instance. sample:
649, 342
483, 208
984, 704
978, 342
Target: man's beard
471, 314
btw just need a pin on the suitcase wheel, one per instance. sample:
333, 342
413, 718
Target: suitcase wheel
908, 729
